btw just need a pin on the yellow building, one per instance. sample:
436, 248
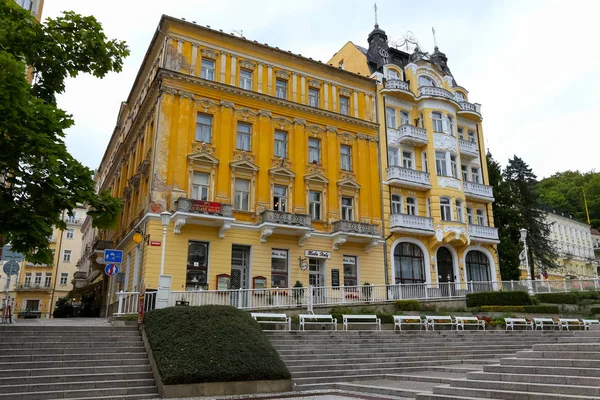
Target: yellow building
34, 6
267, 160
437, 199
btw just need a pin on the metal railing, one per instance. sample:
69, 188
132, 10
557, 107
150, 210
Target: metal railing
129, 302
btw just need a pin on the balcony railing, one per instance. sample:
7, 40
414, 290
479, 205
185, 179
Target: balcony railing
468, 147
479, 190
204, 207
411, 223
285, 218
361, 228
409, 134
483, 232
33, 286
396, 174
396, 84
435, 91
466, 106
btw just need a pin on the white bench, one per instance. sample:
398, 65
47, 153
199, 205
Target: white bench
569, 322
460, 322
587, 323
542, 322
269, 318
362, 320
512, 322
400, 320
433, 320
323, 319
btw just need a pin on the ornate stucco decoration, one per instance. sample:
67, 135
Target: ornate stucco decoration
282, 122
315, 169
372, 244
227, 104
330, 128
441, 229
346, 137
437, 104
346, 176
314, 83
209, 53
447, 182
239, 155
344, 92
265, 233
316, 130
247, 64
186, 94
282, 74
445, 142
245, 113
206, 104
299, 121
265, 113
303, 238
281, 162
338, 241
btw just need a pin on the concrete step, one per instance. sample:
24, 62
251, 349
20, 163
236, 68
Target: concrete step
69, 345
529, 387
76, 339
557, 369
76, 334
86, 393
149, 396
74, 385
372, 344
115, 376
73, 363
567, 354
393, 357
34, 330
73, 370
506, 394
71, 350
365, 388
380, 350
587, 347
541, 362
534, 378
70, 357
434, 396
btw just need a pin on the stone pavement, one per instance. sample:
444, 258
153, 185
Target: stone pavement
305, 395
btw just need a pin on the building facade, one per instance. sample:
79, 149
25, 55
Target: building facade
34, 6
437, 200
267, 161
596, 243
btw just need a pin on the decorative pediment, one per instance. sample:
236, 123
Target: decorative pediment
282, 122
281, 162
315, 168
346, 137
282, 74
206, 104
344, 92
314, 83
203, 147
243, 164
247, 64
316, 177
239, 155
349, 183
245, 113
209, 53
346, 176
203, 158
282, 171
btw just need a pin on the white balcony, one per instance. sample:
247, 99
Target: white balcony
407, 134
478, 191
483, 234
404, 177
468, 149
469, 107
396, 84
432, 91
411, 224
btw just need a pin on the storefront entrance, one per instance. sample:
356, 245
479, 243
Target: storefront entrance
240, 275
316, 278
445, 267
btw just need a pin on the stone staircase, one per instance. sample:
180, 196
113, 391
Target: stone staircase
566, 370
401, 363
74, 362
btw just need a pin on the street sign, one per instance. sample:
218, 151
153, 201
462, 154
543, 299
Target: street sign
111, 269
11, 268
113, 256
9, 255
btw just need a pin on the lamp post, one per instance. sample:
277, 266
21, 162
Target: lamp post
165, 218
525, 258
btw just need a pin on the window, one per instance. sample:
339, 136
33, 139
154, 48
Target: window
407, 159
409, 264
204, 128
478, 266
197, 266
393, 159
438, 126
245, 79
314, 151
350, 271
392, 74
281, 89
346, 157
47, 280
27, 281
465, 172
425, 166
480, 217
344, 105
461, 132
313, 97
38, 279
26, 4
314, 205
280, 144
451, 125
70, 233
459, 211
347, 208
445, 209
404, 118
472, 136
341, 64
200, 186
396, 204
390, 117
243, 136
279, 198
242, 194
279, 268
470, 215
67, 255
71, 218
208, 70
475, 175
428, 203
411, 206
454, 166
440, 163
425, 81
64, 278
459, 96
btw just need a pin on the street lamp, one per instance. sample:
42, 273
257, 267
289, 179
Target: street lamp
523, 232
165, 218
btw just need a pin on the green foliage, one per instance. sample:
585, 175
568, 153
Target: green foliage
587, 294
63, 309
543, 309
595, 310
407, 305
210, 344
41, 178
557, 298
505, 309
516, 298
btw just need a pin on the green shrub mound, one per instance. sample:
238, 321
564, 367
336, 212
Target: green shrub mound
407, 305
498, 299
506, 309
595, 310
557, 298
541, 309
210, 344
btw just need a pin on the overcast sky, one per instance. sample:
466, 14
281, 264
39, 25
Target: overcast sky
533, 65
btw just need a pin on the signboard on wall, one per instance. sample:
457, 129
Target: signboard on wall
335, 277
202, 206
317, 254
350, 260
279, 254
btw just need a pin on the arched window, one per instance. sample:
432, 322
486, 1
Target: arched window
426, 81
392, 74
409, 264
460, 96
478, 266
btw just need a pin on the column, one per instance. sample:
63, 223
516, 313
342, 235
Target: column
224, 151
355, 104
270, 80
194, 59
333, 98
233, 70
264, 143
223, 67
260, 77
298, 158
303, 89
326, 95
294, 87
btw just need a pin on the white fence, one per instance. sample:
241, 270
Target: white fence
128, 302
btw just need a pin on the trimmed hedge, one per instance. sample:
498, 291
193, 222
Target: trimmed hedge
210, 344
588, 294
516, 298
595, 310
541, 309
407, 305
506, 309
557, 298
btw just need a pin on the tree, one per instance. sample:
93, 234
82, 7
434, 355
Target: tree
39, 179
507, 219
523, 183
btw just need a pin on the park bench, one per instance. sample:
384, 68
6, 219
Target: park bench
569, 322
361, 320
587, 323
433, 320
542, 322
323, 319
400, 320
462, 321
512, 322
271, 318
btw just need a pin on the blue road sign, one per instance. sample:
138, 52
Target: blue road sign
113, 256
111, 269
